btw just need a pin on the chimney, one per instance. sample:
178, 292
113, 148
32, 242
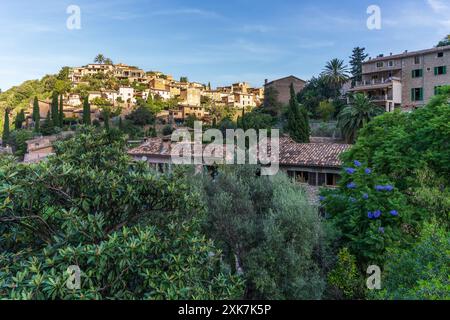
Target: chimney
266, 81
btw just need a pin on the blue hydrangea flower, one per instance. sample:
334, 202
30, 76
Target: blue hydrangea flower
368, 171
357, 163
381, 229
377, 214
351, 185
322, 198
394, 213
370, 215
379, 188
350, 170
365, 196
389, 188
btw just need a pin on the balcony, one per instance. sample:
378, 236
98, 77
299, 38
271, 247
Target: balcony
376, 82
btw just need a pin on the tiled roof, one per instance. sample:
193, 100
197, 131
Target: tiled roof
311, 154
291, 153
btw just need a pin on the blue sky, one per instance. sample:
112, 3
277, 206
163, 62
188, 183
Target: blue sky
216, 41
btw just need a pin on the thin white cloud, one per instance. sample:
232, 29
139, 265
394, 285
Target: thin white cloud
186, 11
438, 6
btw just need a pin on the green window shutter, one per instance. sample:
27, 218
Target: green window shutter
436, 71
413, 74
445, 70
421, 94
421, 73
412, 95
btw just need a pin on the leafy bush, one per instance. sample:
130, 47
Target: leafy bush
370, 212
421, 272
133, 233
268, 232
345, 277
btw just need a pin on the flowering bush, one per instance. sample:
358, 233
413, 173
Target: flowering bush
371, 213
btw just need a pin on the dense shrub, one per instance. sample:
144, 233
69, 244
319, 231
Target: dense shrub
133, 233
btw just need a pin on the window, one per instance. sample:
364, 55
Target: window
440, 70
417, 60
417, 94
418, 73
380, 64
391, 63
440, 54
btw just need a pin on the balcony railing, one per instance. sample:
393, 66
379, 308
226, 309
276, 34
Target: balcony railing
386, 97
375, 82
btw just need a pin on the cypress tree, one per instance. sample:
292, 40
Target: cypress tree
5, 135
54, 110
106, 119
298, 123
86, 112
20, 118
36, 115
61, 112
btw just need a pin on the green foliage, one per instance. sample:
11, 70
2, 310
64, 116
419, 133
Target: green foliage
270, 104
17, 140
255, 120
421, 272
133, 233
19, 120
345, 277
297, 120
36, 115
55, 110
142, 116
86, 112
47, 128
358, 56
167, 130
315, 91
326, 110
355, 116
444, 42
61, 112
399, 144
371, 214
190, 120
267, 230
335, 74
5, 132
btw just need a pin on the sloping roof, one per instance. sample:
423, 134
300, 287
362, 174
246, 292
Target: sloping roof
291, 153
408, 54
311, 154
269, 83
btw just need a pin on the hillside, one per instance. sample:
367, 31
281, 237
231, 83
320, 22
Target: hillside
19, 97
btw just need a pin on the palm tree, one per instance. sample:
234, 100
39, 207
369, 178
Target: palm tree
108, 61
356, 115
100, 58
336, 73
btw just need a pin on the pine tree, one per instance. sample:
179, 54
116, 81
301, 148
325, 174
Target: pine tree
54, 110
356, 60
61, 112
36, 115
5, 135
86, 112
298, 123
